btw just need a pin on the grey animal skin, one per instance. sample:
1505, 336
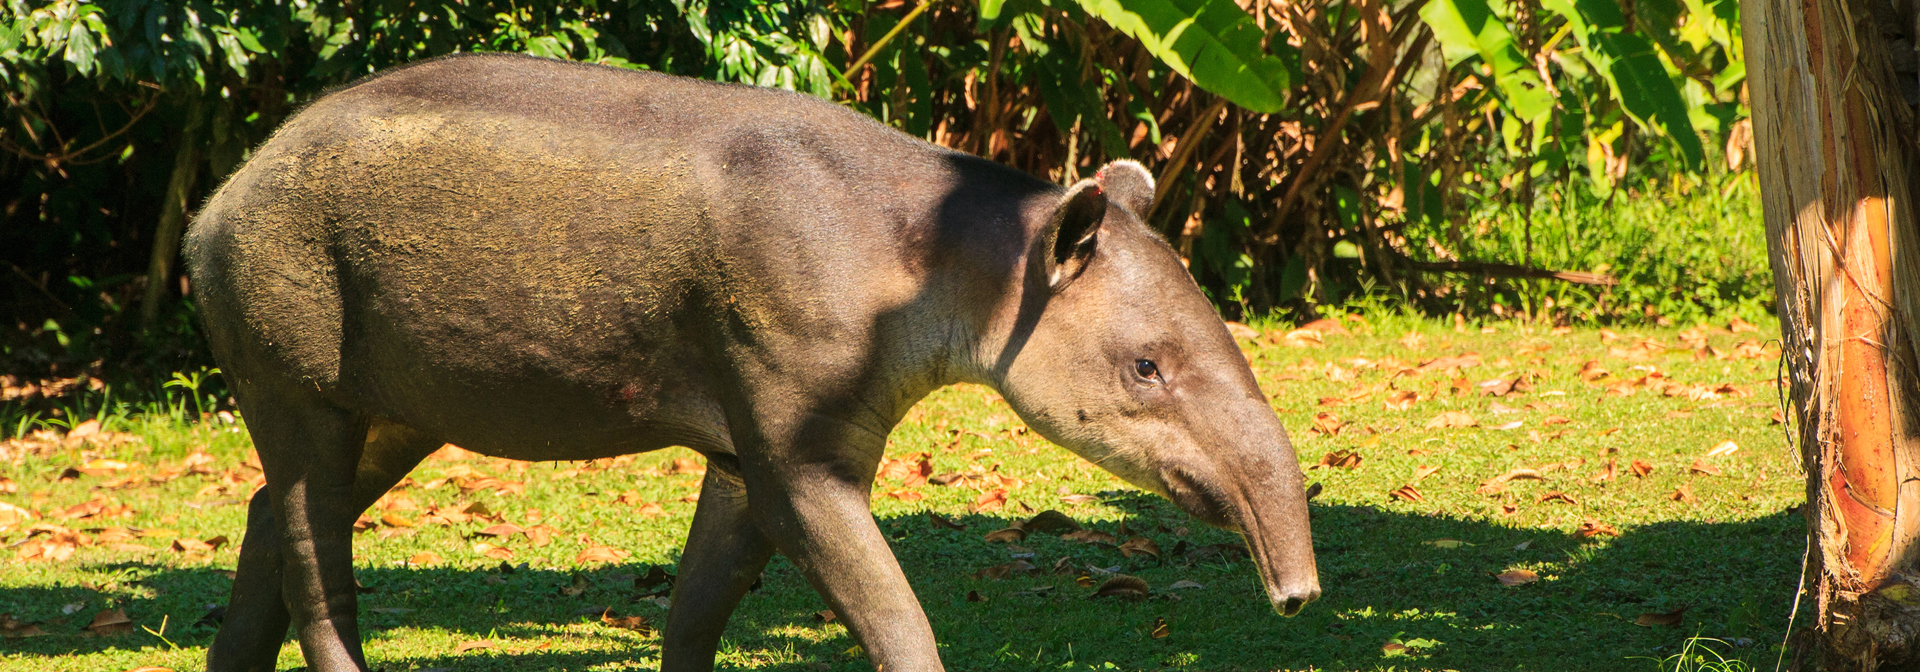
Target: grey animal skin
544, 260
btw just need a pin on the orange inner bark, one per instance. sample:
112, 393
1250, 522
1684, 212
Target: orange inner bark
1865, 487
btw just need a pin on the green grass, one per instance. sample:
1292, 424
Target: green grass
1730, 557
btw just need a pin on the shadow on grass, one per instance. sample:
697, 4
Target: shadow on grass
1384, 583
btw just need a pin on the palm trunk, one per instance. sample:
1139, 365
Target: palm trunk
173, 216
1835, 151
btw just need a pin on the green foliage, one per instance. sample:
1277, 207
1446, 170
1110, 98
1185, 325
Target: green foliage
1212, 42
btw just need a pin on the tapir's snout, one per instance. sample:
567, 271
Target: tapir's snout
1263, 500
1290, 599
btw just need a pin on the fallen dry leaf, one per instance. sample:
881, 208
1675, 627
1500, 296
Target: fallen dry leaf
1700, 466
1558, 496
906, 495
1424, 471
1140, 545
473, 645
635, 623
1050, 521
989, 501
1123, 586
111, 622
1407, 492
1640, 469
1606, 474
1344, 459
1006, 536
1670, 618
424, 558
600, 554
1402, 400
941, 521
1327, 424
1090, 537
1451, 420
1078, 499
1515, 577
1497, 484
1683, 494
189, 545
501, 530
687, 465
1015, 568
1594, 528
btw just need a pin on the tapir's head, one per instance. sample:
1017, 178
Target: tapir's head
1112, 352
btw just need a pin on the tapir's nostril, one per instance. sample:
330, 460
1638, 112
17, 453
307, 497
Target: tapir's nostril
1296, 601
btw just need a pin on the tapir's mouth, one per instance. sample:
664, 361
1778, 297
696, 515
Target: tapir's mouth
1282, 548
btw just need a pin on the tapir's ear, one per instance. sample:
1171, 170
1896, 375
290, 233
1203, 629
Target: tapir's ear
1073, 232
1129, 184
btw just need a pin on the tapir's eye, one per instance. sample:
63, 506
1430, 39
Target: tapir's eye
1145, 369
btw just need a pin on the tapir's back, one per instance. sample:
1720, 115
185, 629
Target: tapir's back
459, 227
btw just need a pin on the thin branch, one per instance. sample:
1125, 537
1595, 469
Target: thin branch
1499, 270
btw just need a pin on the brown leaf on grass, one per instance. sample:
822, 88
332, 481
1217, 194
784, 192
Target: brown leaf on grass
1592, 371
151, 668
1737, 325
1123, 586
650, 509
492, 551
1326, 424
825, 616
906, 495
1508, 509
1090, 537
424, 558
600, 554
1671, 618
989, 501
1451, 420
15, 629
190, 545
395, 520
1344, 459
1402, 400
541, 535
1777, 418
1516, 577
911, 470
1463, 361
1050, 521
1015, 568
1594, 528
1424, 471
1640, 469
941, 521
1140, 545
1683, 494
473, 645
1006, 536
110, 622
1077, 499
635, 623
1558, 496
1555, 420
1406, 492
1606, 474
687, 465
1700, 466
501, 530
1498, 484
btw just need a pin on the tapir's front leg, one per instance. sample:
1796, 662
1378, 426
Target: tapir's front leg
724, 555
811, 497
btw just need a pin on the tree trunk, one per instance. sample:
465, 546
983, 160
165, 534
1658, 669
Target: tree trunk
173, 215
1835, 150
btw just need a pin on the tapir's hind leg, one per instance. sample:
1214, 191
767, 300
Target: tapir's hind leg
257, 612
724, 555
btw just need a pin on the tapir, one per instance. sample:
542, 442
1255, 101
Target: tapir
543, 260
